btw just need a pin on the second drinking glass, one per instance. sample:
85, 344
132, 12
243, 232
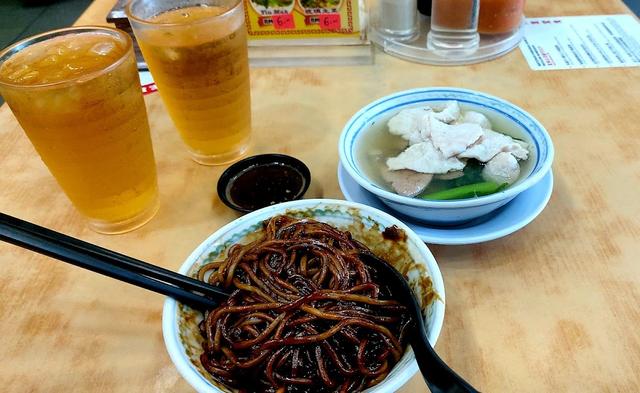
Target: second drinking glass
197, 53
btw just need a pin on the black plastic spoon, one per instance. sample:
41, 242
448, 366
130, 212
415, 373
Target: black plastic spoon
438, 376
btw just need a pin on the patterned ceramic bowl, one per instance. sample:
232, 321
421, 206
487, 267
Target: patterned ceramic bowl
506, 118
413, 258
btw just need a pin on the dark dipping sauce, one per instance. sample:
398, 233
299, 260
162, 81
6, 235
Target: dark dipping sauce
263, 185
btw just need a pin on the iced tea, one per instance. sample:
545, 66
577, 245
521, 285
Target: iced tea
76, 94
198, 58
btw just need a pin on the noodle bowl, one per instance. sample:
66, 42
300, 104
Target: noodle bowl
330, 327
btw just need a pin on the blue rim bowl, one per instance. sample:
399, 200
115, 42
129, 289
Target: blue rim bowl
454, 211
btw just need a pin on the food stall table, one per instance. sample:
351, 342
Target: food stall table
552, 307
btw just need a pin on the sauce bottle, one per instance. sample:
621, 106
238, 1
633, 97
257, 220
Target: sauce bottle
500, 16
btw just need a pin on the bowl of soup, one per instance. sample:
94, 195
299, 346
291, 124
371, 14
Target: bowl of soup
278, 331
445, 156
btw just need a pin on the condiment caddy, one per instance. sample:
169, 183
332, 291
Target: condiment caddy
463, 33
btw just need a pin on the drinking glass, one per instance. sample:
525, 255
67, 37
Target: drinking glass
76, 93
196, 51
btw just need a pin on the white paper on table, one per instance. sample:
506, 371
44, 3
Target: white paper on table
594, 41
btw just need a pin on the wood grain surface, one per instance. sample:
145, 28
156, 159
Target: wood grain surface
554, 307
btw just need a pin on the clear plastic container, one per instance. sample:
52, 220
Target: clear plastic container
490, 47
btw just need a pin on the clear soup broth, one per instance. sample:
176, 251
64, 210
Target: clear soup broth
377, 144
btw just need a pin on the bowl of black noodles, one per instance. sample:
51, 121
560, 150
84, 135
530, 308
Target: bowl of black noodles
306, 314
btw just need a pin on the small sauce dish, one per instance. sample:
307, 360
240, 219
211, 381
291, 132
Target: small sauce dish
263, 180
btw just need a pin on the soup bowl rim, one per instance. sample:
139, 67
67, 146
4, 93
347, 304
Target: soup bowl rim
346, 150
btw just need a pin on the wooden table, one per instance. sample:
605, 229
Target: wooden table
553, 307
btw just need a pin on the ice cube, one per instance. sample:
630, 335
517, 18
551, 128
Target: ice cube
28, 77
19, 71
30, 56
71, 68
72, 45
40, 103
55, 76
50, 60
58, 50
171, 54
103, 48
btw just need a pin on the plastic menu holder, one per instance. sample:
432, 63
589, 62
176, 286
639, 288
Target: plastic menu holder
306, 32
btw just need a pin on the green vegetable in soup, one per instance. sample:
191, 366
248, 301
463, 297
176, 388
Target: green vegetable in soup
467, 191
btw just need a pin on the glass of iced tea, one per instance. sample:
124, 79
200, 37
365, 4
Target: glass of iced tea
76, 93
196, 51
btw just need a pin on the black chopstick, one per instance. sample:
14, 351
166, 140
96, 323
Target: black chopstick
109, 263
120, 259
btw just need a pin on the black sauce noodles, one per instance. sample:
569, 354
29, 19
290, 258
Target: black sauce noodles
306, 314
